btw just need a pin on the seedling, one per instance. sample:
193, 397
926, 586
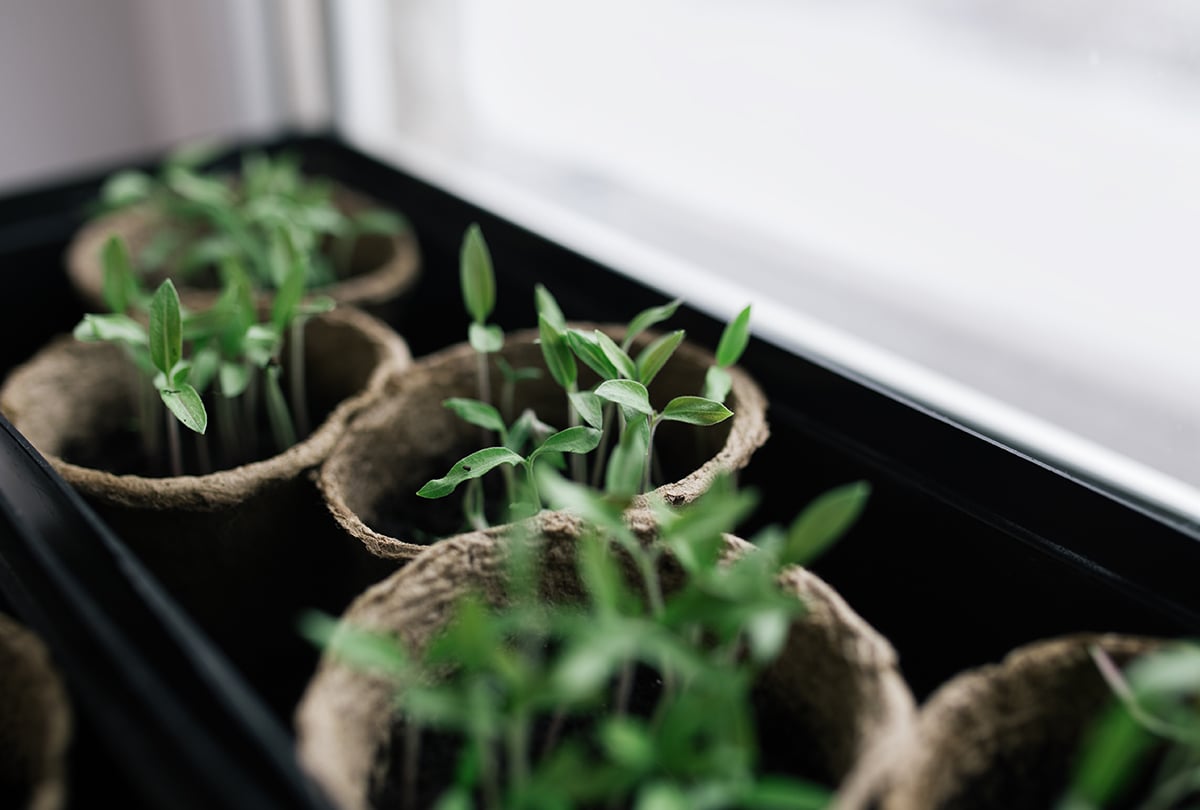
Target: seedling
538, 696
615, 417
270, 210
229, 351
1149, 736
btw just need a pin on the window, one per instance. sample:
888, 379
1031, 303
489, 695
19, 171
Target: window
988, 206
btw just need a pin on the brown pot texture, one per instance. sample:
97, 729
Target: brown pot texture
382, 268
35, 723
242, 549
832, 697
1004, 735
409, 438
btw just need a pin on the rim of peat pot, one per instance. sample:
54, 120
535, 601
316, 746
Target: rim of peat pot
850, 699
384, 267
34, 401
407, 438
1004, 735
36, 722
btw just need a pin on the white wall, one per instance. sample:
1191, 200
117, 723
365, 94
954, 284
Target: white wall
86, 83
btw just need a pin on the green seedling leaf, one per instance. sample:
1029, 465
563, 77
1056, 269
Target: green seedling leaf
662, 796
476, 276
289, 294
206, 252
283, 430
1110, 758
560, 493
111, 329
378, 221
185, 403
590, 661
362, 648
166, 328
197, 189
572, 440
717, 384
485, 339
559, 360
778, 793
548, 307
528, 429
823, 521
120, 287
126, 188
627, 465
158, 250
647, 318
734, 339
206, 362
233, 378
588, 350
589, 407
456, 798
616, 356
476, 413
600, 575
767, 631
626, 393
695, 411
321, 218
473, 466
261, 344
278, 263
194, 154
652, 358
517, 374
627, 742
316, 305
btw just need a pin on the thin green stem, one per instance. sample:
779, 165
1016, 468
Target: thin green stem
517, 738
578, 470
296, 373
277, 411
484, 381
649, 454
488, 774
535, 497
227, 427
250, 408
602, 450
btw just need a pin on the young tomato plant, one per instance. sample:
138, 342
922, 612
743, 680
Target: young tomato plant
1156, 709
228, 349
614, 418
539, 697
270, 208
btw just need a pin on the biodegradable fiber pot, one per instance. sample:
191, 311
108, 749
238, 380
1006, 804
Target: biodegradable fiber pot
408, 438
382, 268
35, 723
242, 549
833, 696
1005, 735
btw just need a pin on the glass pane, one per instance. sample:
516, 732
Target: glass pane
990, 206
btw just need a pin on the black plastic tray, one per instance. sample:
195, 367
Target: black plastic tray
966, 549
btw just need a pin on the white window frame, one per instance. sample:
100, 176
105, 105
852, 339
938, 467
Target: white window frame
381, 85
